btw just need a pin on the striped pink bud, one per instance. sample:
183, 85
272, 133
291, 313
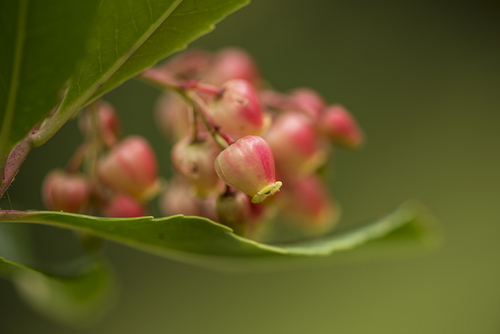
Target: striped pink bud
131, 168
238, 110
296, 144
109, 123
309, 206
123, 206
339, 125
65, 192
173, 116
248, 166
178, 199
194, 160
232, 63
234, 210
308, 101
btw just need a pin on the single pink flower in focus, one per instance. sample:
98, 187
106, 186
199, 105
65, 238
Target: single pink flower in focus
248, 166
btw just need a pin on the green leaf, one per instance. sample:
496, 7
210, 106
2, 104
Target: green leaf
75, 293
202, 242
41, 41
73, 297
15, 243
132, 35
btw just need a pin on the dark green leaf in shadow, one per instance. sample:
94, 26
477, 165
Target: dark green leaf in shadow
15, 243
202, 242
76, 295
41, 42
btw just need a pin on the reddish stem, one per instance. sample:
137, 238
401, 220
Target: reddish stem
185, 89
13, 163
77, 159
165, 80
209, 123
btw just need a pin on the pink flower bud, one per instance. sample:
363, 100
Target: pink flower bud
339, 125
124, 206
173, 116
65, 192
109, 123
248, 166
296, 144
131, 167
308, 101
178, 199
232, 63
308, 205
234, 210
195, 162
187, 65
238, 110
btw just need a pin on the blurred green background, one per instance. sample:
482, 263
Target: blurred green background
423, 79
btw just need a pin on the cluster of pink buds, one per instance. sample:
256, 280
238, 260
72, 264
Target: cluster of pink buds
238, 143
106, 176
244, 155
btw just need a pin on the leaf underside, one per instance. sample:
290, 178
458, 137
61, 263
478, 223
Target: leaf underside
202, 242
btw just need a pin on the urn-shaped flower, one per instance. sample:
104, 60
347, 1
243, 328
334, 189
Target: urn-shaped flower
131, 167
309, 205
123, 206
308, 101
234, 210
65, 192
108, 121
248, 166
238, 110
232, 63
296, 144
339, 125
194, 160
179, 199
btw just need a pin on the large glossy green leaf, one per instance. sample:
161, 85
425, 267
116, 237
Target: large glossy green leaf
41, 41
203, 242
76, 295
131, 35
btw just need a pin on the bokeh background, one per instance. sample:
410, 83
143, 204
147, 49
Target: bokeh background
423, 79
